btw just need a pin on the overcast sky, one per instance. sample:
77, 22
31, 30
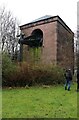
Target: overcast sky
27, 10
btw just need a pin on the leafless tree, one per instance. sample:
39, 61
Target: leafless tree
77, 45
8, 32
76, 48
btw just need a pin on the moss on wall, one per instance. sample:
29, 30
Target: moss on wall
32, 54
35, 54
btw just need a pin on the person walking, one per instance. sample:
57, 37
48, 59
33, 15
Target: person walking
68, 77
78, 80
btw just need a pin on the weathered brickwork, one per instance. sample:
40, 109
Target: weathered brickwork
58, 42
65, 47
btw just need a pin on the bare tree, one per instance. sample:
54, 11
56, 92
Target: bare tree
8, 32
76, 48
77, 45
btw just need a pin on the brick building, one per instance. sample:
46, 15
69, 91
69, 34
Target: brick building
48, 40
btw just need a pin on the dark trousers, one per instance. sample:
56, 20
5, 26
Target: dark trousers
67, 84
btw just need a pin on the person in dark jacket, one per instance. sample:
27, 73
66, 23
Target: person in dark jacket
77, 80
68, 77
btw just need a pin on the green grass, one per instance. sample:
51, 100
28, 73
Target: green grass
0, 103
39, 102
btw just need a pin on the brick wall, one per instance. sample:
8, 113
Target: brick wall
48, 50
65, 48
58, 42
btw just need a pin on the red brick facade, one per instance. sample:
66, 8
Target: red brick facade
58, 41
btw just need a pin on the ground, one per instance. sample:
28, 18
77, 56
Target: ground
39, 102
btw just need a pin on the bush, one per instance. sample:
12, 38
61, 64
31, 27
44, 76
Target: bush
48, 75
23, 74
14, 75
8, 69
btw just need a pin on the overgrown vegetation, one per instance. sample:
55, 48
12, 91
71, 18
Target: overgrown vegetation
22, 74
8, 70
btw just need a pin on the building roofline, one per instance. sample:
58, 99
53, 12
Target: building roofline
37, 21
53, 17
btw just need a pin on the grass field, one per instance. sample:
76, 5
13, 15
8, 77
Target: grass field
39, 102
0, 102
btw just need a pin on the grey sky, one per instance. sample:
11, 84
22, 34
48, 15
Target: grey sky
28, 10
78, 13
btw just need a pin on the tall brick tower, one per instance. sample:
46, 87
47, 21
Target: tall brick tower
48, 40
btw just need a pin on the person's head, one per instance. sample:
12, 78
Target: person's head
69, 69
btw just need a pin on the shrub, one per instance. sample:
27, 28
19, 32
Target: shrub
15, 75
8, 69
23, 74
48, 75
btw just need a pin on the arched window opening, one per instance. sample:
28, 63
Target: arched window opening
37, 35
